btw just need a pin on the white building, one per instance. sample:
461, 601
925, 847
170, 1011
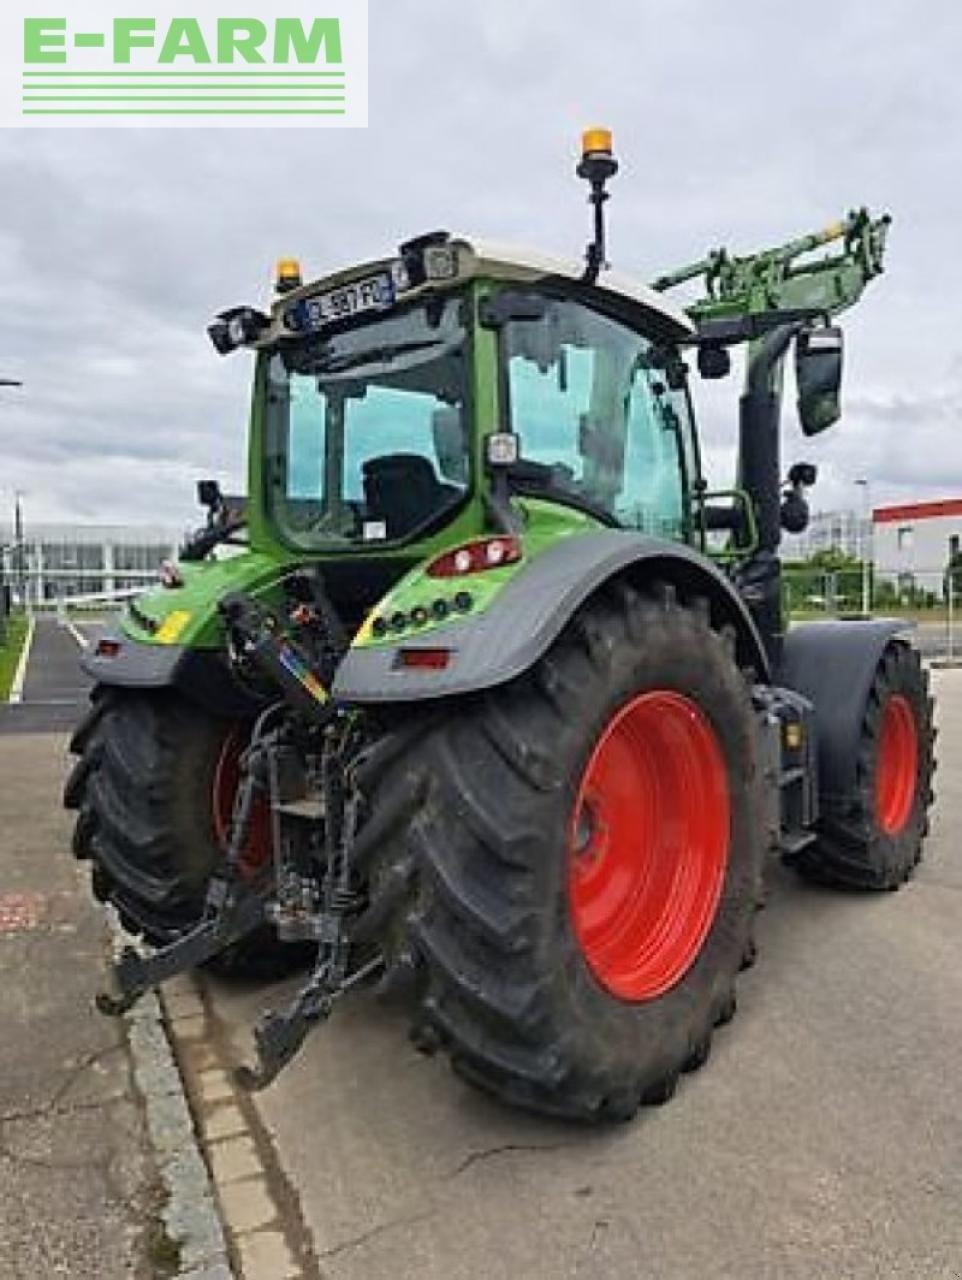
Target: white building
66, 560
844, 531
914, 542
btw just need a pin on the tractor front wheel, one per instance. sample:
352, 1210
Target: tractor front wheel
871, 837
565, 870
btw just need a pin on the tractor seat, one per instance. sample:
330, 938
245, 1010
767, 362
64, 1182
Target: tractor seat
403, 490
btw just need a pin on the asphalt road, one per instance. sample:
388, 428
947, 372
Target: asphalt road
932, 639
823, 1139
55, 688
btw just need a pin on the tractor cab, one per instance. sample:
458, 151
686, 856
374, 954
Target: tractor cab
440, 386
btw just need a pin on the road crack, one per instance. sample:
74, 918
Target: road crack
406, 1220
52, 1106
507, 1148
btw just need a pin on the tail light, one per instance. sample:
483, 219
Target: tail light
475, 557
423, 659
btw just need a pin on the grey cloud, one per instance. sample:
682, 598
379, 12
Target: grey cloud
742, 124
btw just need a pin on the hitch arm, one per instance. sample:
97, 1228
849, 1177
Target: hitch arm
279, 1036
225, 921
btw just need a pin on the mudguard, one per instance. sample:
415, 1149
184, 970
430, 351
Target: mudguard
527, 616
832, 664
204, 676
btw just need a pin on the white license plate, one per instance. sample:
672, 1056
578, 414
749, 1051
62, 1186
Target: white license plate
375, 293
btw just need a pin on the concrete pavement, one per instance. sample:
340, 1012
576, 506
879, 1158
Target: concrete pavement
78, 1191
824, 1138
100, 1177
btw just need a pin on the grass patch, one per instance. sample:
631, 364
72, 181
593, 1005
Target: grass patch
16, 633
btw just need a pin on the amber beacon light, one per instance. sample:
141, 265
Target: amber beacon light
288, 275
596, 166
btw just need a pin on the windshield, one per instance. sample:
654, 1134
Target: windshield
591, 402
366, 429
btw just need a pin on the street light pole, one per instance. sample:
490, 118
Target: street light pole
19, 568
18, 544
4, 597
863, 544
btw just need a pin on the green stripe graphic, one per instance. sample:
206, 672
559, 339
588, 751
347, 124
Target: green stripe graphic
179, 97
192, 88
173, 111
251, 86
189, 91
183, 73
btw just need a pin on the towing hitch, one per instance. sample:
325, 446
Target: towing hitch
232, 912
279, 1036
309, 891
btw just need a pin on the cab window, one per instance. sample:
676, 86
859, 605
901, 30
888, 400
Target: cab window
590, 401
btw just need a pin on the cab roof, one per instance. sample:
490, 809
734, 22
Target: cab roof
517, 262
479, 258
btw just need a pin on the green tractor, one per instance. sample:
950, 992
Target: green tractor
497, 710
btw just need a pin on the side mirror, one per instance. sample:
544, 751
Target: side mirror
818, 375
208, 494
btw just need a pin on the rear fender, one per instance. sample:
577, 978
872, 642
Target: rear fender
526, 617
203, 676
833, 664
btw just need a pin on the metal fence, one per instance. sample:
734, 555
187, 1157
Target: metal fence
930, 600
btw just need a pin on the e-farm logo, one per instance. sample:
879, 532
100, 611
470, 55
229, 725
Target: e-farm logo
99, 65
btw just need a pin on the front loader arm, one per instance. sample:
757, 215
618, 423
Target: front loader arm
774, 280
765, 299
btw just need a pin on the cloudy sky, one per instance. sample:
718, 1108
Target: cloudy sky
741, 123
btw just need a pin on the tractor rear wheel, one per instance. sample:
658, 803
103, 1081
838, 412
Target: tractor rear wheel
872, 837
564, 871
153, 787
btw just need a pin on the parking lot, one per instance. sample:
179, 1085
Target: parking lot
823, 1139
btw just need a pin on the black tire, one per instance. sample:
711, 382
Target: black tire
852, 848
467, 836
143, 788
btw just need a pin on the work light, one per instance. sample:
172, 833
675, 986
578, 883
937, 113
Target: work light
236, 328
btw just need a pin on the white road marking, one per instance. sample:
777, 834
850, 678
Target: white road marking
77, 634
16, 689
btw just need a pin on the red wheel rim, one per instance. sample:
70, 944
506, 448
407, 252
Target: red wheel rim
648, 845
897, 765
257, 848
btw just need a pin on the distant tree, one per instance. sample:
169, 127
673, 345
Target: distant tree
833, 560
830, 579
